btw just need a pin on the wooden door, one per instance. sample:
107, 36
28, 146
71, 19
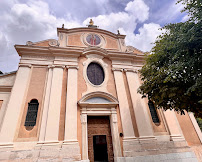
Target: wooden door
99, 126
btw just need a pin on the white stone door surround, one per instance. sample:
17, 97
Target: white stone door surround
99, 104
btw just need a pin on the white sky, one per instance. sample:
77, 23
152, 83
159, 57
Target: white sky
33, 20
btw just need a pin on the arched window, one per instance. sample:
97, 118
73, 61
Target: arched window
95, 73
32, 113
153, 112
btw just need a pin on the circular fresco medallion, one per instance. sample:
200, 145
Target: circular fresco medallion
93, 39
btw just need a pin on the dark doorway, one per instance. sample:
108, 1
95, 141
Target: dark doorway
100, 148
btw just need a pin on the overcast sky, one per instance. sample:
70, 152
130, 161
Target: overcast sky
33, 20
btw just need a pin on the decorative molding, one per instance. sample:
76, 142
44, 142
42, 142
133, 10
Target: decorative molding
36, 57
91, 87
24, 50
53, 43
89, 30
122, 42
113, 101
95, 50
61, 36
5, 88
29, 43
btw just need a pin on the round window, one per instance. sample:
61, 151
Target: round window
95, 73
93, 39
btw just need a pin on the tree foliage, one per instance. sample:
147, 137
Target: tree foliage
199, 121
172, 75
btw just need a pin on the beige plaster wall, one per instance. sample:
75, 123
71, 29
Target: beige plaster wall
7, 80
63, 107
43, 44
1, 102
82, 87
120, 129
130, 106
160, 127
188, 130
35, 91
75, 40
111, 83
79, 129
138, 52
111, 43
157, 127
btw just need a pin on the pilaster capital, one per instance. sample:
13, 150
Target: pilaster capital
25, 65
58, 66
114, 118
131, 70
117, 69
72, 67
84, 118
51, 66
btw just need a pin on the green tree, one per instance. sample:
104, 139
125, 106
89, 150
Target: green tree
172, 74
199, 121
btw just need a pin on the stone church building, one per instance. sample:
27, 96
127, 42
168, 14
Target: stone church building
75, 99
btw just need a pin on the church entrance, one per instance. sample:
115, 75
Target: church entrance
100, 147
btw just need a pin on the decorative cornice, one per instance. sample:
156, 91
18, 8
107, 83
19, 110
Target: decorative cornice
96, 30
51, 42
43, 52
5, 88
48, 51
25, 65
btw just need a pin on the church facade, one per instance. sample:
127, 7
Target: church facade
75, 99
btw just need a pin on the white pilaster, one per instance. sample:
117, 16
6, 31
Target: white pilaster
52, 127
84, 134
140, 108
46, 105
14, 106
126, 120
71, 106
115, 134
173, 125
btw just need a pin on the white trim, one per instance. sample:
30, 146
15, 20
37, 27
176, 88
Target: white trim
106, 109
91, 87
